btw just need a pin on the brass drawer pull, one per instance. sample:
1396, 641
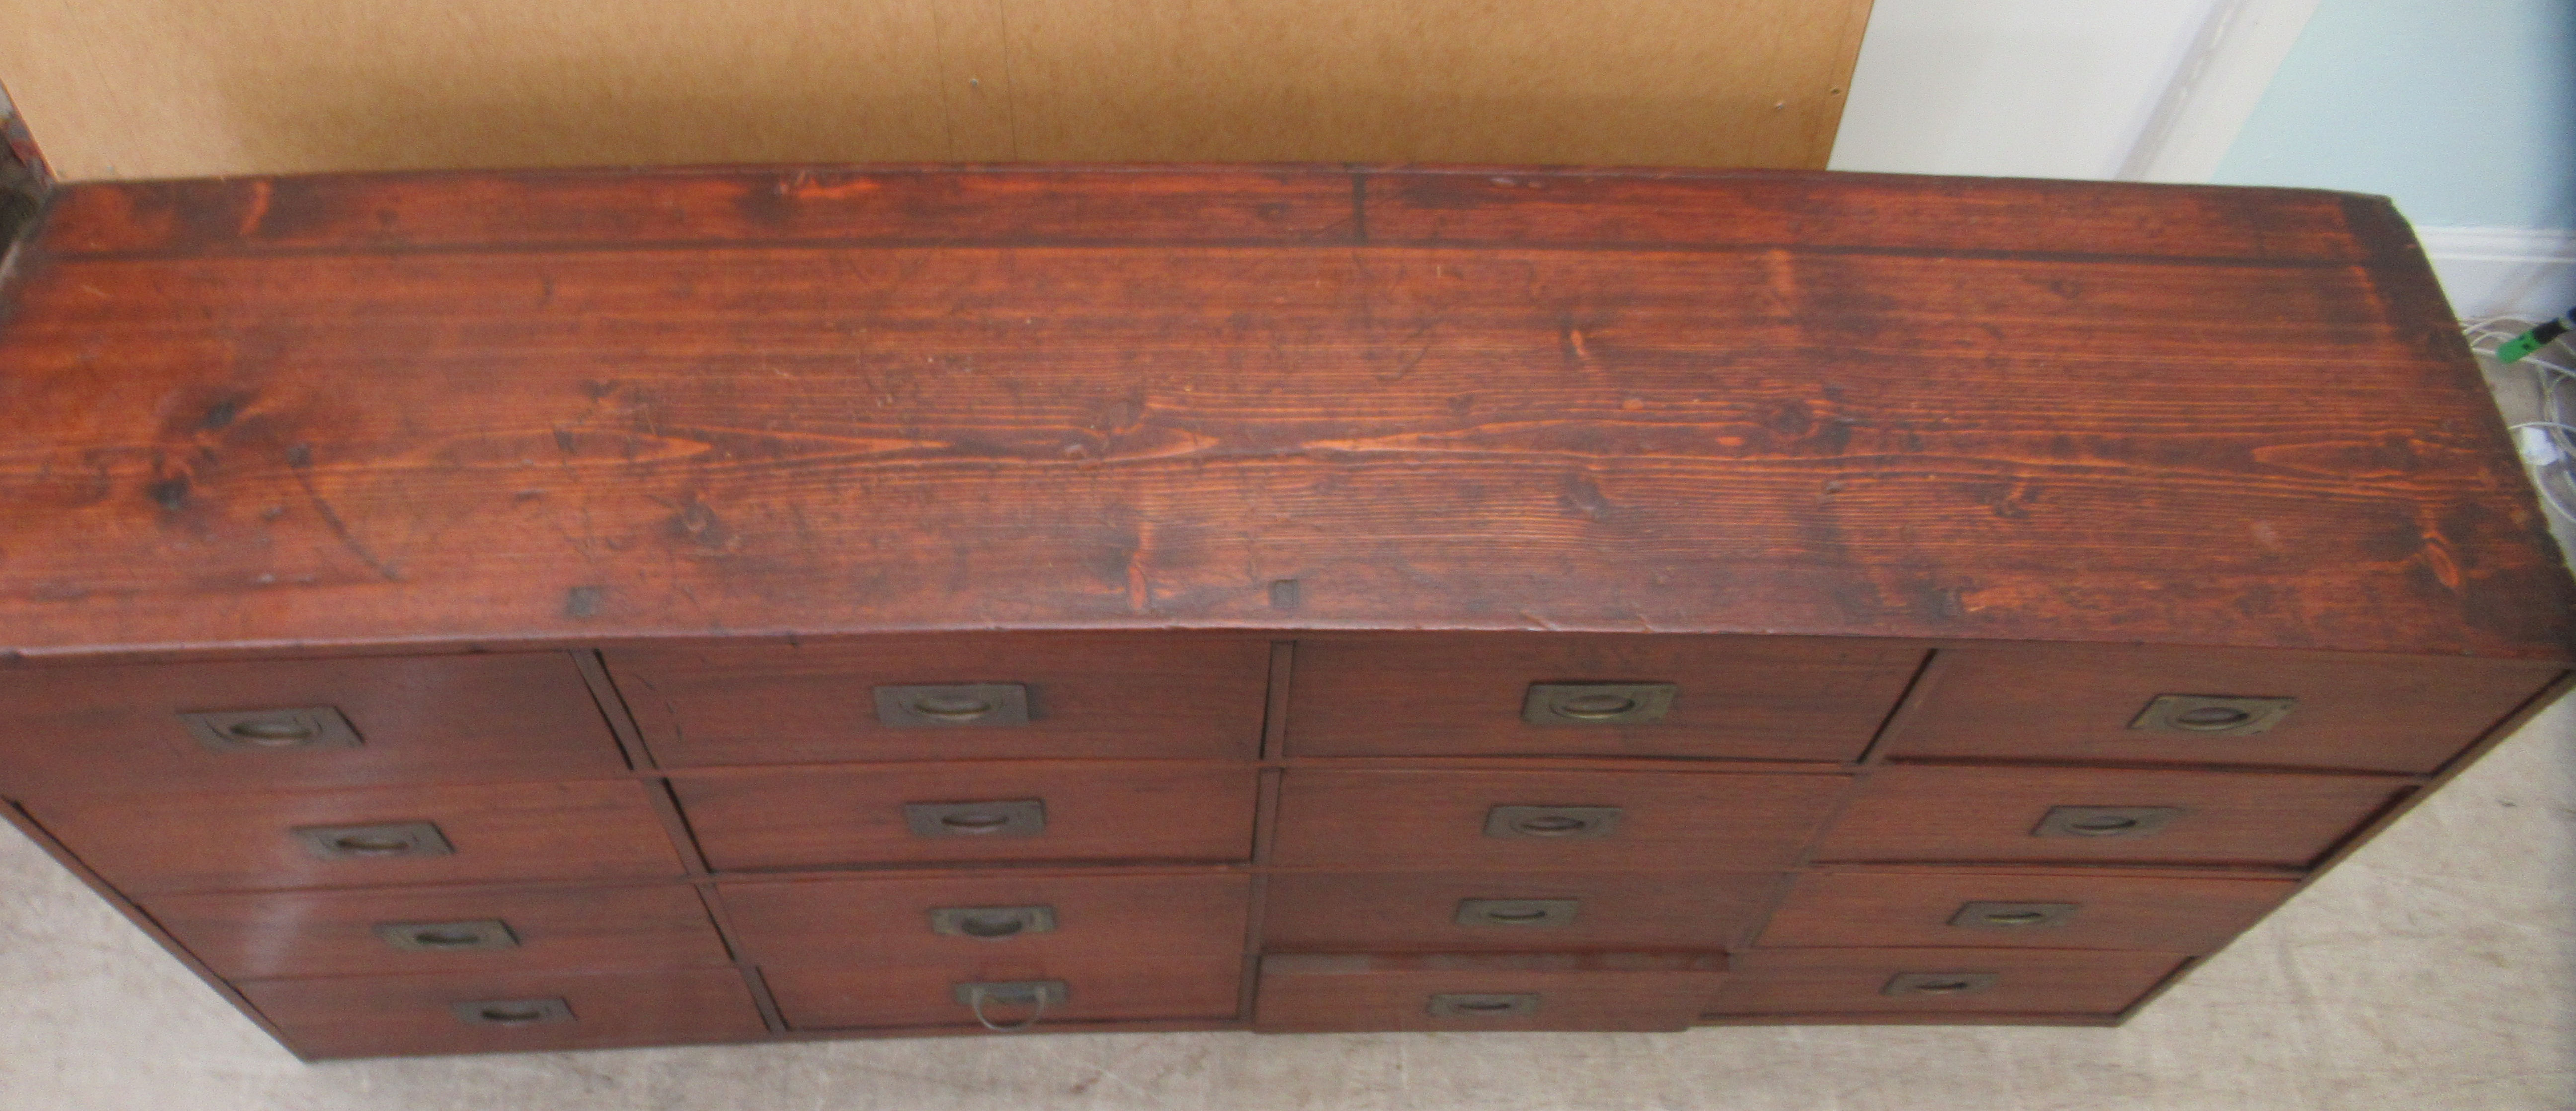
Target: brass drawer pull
1013, 818
1541, 913
2212, 715
392, 839
279, 730
1939, 983
1484, 1004
992, 923
2105, 821
1562, 822
952, 705
512, 1012
2013, 916
1036, 995
1597, 703
448, 937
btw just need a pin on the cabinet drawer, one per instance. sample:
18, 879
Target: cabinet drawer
2101, 704
898, 921
1487, 912
1094, 989
259, 842
442, 930
273, 724
2019, 814
1165, 696
896, 814
375, 1016
2006, 909
1501, 819
1939, 981
1773, 698
1321, 993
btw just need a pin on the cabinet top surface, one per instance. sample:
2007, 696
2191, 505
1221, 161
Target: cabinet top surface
523, 407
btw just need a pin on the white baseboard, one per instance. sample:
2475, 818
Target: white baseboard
2525, 272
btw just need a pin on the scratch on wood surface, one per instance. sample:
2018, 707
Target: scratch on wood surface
299, 459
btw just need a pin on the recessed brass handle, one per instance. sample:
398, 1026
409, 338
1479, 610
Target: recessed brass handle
992, 923
279, 730
953, 704
448, 937
1002, 818
512, 1012
1939, 983
1036, 995
1526, 913
373, 842
2012, 916
2105, 821
1558, 822
1596, 703
1483, 1004
2213, 715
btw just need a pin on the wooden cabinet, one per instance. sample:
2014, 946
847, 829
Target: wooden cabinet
488, 612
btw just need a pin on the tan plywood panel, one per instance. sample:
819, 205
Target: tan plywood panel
169, 88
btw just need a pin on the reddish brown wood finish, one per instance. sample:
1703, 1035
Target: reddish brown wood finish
1849, 981
1769, 698
1988, 814
885, 920
1863, 909
332, 933
385, 1016
1098, 810
1684, 821
1090, 696
418, 718
2076, 704
1893, 432
1324, 993
152, 844
1396, 912
815, 996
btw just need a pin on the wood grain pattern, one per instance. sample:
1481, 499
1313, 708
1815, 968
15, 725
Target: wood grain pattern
822, 996
1684, 821
1606, 991
1095, 810
885, 920
1868, 438
1864, 909
332, 933
1770, 698
1848, 981
1417, 912
2393, 715
1922, 813
152, 844
1136, 697
388, 1016
88, 730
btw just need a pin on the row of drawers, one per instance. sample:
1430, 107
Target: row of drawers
269, 724
997, 924
488, 1012
1172, 811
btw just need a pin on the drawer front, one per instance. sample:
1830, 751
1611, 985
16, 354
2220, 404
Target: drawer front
1729, 697
379, 1016
469, 931
1511, 912
1939, 981
275, 724
2017, 814
266, 842
2007, 909
1171, 696
892, 814
2101, 704
1322, 993
1692, 821
822, 997
900, 921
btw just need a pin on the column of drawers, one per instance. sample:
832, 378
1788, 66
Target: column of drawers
415, 855
938, 831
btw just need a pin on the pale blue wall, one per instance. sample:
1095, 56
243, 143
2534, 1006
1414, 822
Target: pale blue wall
2462, 110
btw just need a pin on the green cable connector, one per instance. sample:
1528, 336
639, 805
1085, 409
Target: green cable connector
2523, 345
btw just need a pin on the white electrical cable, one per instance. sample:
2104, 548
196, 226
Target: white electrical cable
2555, 467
